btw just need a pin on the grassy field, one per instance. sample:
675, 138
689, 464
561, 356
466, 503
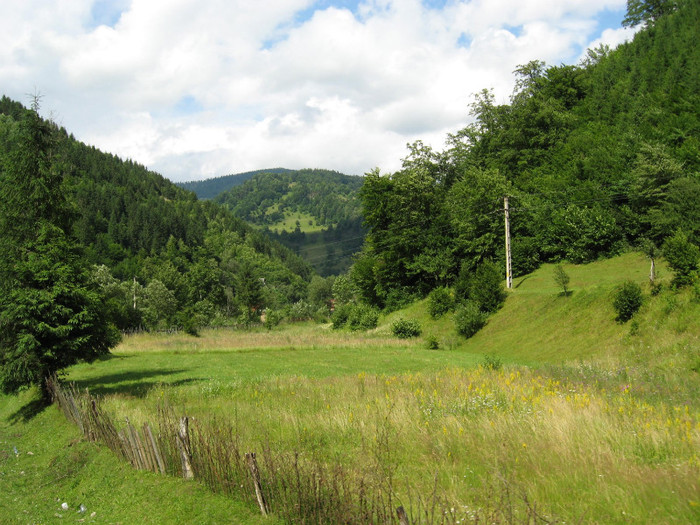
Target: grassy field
45, 463
587, 420
307, 223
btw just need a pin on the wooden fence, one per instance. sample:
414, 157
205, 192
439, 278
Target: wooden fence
296, 489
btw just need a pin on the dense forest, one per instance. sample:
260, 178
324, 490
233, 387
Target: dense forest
210, 188
162, 258
286, 204
596, 158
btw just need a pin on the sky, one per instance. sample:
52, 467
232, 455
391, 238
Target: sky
195, 89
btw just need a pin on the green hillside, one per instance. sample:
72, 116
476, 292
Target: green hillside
180, 261
210, 188
316, 213
594, 158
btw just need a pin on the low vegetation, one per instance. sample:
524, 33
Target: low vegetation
605, 436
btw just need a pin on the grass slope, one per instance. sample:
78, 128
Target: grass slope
603, 426
53, 465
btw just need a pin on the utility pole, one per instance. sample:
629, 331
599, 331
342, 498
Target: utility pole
509, 264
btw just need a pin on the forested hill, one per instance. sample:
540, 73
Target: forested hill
327, 197
180, 259
314, 212
210, 188
595, 158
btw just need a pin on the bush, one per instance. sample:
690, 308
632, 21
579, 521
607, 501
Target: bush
469, 319
492, 362
432, 343
485, 287
322, 314
628, 299
301, 311
683, 257
440, 301
358, 316
340, 315
272, 318
406, 328
363, 317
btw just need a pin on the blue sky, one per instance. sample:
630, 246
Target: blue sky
200, 88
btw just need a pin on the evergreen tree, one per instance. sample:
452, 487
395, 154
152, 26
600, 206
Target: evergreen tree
51, 314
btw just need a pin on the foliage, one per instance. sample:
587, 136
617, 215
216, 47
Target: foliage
484, 286
301, 311
432, 343
440, 301
647, 11
340, 315
406, 328
321, 291
492, 362
343, 290
356, 316
140, 227
593, 157
362, 317
562, 279
273, 198
51, 315
683, 257
627, 301
211, 188
469, 319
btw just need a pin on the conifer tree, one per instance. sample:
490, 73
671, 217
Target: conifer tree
51, 314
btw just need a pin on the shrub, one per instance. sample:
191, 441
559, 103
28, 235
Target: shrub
486, 287
628, 299
301, 311
683, 257
340, 315
440, 301
322, 314
469, 319
363, 317
358, 316
492, 362
432, 343
272, 318
406, 328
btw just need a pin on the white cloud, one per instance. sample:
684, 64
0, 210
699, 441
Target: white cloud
201, 88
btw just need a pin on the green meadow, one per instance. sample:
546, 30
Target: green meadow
553, 412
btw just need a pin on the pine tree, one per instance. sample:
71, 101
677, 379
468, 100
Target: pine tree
51, 314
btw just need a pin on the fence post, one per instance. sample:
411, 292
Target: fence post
253, 466
183, 443
154, 446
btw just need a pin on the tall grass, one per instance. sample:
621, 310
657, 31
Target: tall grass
604, 427
472, 443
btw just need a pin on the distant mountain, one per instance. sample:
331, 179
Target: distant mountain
315, 212
210, 188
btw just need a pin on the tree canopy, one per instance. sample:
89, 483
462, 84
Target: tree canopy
594, 158
51, 314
